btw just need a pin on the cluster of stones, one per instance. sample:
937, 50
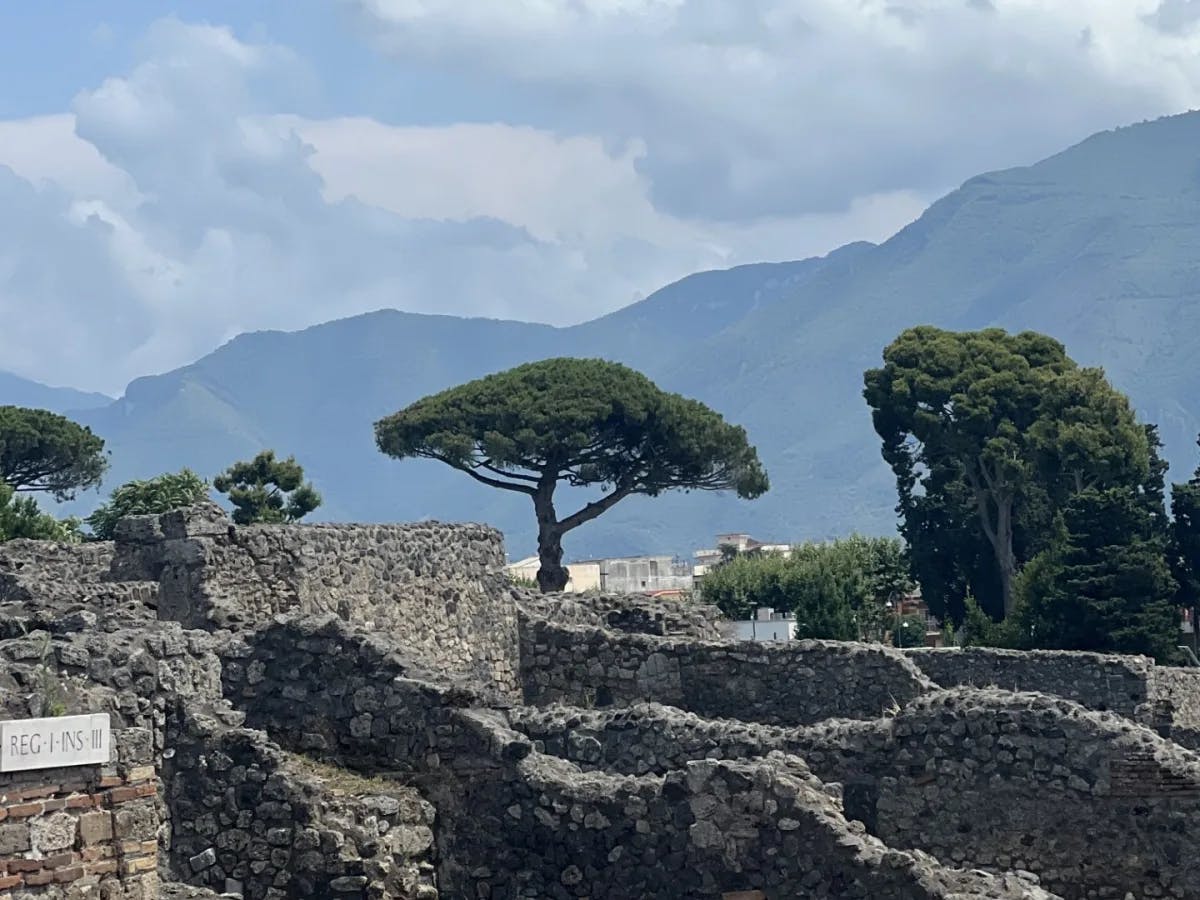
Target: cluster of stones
374, 711
782, 683
262, 822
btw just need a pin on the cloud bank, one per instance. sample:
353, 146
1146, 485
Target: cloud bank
175, 205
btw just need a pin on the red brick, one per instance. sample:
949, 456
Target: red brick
82, 801
3, 813
10, 881
62, 876
24, 810
25, 865
37, 793
124, 794
88, 854
37, 879
60, 860
108, 781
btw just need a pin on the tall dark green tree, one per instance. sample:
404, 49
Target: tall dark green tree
1000, 429
1185, 546
583, 422
267, 489
43, 451
1107, 587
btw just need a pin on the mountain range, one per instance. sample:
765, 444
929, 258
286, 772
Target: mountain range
1098, 246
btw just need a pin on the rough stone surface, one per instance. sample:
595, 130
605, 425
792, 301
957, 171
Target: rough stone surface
440, 589
335, 714
786, 683
289, 825
43, 584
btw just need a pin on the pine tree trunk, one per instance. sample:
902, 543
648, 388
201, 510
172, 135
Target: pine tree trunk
1005, 557
552, 575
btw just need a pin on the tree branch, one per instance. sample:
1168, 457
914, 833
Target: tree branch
981, 504
595, 508
483, 479
487, 464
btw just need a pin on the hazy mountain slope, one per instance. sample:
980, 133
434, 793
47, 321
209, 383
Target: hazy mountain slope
17, 391
316, 393
1097, 246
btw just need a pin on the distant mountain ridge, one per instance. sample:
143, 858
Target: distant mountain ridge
18, 391
1098, 246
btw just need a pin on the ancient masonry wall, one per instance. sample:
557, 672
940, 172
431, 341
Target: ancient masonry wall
321, 687
67, 831
41, 581
84, 828
1120, 684
285, 826
1008, 783
537, 826
649, 738
975, 777
439, 590
782, 684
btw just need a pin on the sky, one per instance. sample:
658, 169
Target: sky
173, 174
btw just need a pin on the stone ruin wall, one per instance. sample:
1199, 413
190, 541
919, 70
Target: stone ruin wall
441, 586
1087, 800
251, 819
788, 683
342, 716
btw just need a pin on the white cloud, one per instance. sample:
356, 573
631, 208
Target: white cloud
769, 107
173, 210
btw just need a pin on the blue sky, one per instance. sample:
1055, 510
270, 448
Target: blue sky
173, 174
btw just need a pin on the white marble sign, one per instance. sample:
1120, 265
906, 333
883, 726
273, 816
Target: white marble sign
50, 743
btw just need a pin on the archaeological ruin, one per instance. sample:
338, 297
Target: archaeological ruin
338, 711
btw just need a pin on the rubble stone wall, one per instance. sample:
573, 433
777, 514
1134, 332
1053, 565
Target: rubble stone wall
649, 738
248, 818
767, 828
782, 684
1120, 684
439, 590
42, 580
1089, 801
321, 687
1177, 691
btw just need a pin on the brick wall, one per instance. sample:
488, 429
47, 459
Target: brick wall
62, 830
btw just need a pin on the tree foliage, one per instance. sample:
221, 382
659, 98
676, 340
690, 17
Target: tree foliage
1185, 543
583, 422
989, 435
267, 489
43, 451
1107, 585
152, 496
837, 590
20, 517
909, 632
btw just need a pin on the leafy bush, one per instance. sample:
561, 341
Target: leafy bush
836, 590
153, 496
909, 632
20, 517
